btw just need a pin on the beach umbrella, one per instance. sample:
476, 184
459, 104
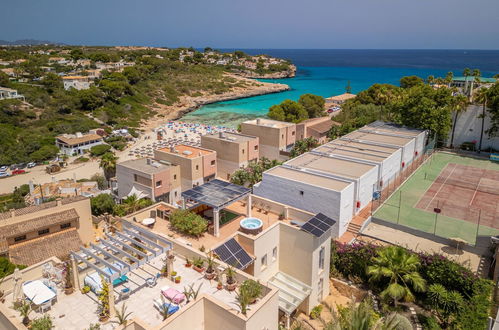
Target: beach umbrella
459, 242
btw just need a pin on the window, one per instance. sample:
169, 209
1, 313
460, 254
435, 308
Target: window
175, 194
256, 147
282, 136
243, 151
321, 258
43, 232
174, 176
66, 225
19, 238
274, 254
293, 133
264, 262
212, 163
158, 184
197, 167
301, 192
320, 287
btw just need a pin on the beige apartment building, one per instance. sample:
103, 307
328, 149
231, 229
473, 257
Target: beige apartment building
197, 165
156, 180
234, 151
317, 128
276, 137
35, 233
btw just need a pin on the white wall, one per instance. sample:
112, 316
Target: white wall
346, 211
408, 152
391, 167
264, 245
368, 182
469, 126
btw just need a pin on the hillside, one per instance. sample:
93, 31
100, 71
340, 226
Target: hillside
120, 87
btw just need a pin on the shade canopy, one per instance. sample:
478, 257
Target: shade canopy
216, 193
292, 292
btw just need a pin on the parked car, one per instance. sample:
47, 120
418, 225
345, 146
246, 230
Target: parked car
31, 164
21, 165
15, 172
4, 174
13, 167
4, 168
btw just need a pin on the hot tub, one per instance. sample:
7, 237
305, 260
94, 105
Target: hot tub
251, 226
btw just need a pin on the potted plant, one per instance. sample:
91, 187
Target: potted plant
210, 267
173, 275
164, 269
68, 285
281, 216
252, 288
24, 308
85, 289
231, 281
243, 300
220, 285
188, 262
104, 309
177, 279
198, 264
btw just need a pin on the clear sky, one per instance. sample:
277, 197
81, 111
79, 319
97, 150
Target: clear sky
430, 24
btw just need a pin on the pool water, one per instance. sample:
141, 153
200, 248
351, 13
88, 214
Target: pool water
251, 223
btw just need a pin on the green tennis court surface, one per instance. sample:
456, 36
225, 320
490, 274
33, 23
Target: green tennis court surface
450, 196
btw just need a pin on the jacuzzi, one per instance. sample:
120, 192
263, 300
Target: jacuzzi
251, 226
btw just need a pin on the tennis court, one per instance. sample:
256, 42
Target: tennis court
451, 195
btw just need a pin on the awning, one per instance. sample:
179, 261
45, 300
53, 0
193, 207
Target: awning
292, 292
139, 193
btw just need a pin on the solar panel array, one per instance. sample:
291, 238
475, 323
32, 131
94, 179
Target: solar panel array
318, 225
215, 193
232, 253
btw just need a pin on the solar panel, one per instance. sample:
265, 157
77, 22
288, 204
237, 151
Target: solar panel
318, 225
232, 253
216, 193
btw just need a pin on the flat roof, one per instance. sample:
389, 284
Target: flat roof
145, 165
373, 137
231, 137
74, 140
392, 128
350, 152
308, 178
364, 146
187, 151
341, 97
340, 167
269, 123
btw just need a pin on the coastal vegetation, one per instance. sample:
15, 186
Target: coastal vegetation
308, 106
448, 294
252, 173
128, 86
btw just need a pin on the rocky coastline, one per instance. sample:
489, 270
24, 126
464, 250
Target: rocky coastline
275, 75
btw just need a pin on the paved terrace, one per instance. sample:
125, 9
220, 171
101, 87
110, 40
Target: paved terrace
78, 311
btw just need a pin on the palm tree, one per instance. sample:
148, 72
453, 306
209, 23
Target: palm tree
108, 164
482, 96
476, 79
460, 102
401, 268
132, 203
448, 78
430, 80
466, 74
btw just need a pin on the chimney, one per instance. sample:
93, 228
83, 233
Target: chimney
199, 154
31, 186
258, 121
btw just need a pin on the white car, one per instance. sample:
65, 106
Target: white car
4, 168
31, 164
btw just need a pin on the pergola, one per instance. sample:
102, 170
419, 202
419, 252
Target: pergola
110, 253
217, 194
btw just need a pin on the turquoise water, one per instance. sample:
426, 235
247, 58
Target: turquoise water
324, 81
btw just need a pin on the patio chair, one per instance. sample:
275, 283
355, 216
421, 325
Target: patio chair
45, 306
151, 281
125, 293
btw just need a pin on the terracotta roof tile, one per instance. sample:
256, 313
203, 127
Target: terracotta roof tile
58, 244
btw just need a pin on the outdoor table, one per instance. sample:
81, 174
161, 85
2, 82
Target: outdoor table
37, 292
148, 222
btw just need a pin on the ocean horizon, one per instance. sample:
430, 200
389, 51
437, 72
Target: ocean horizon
327, 72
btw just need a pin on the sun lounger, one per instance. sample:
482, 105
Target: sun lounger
173, 294
172, 308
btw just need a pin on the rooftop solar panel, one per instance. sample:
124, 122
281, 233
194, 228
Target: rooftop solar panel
232, 253
318, 225
216, 193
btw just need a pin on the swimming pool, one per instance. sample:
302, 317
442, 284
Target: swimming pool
251, 225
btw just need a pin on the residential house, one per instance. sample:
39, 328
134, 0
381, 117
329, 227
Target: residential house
234, 151
276, 138
339, 99
58, 60
197, 165
35, 233
11, 72
144, 177
76, 82
61, 188
77, 144
9, 93
317, 128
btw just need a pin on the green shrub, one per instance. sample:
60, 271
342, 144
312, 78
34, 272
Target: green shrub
252, 288
316, 312
81, 160
351, 260
187, 222
475, 313
100, 149
42, 323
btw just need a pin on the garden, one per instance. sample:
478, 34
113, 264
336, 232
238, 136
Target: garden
445, 294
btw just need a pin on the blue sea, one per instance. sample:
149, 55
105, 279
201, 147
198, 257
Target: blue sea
326, 72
